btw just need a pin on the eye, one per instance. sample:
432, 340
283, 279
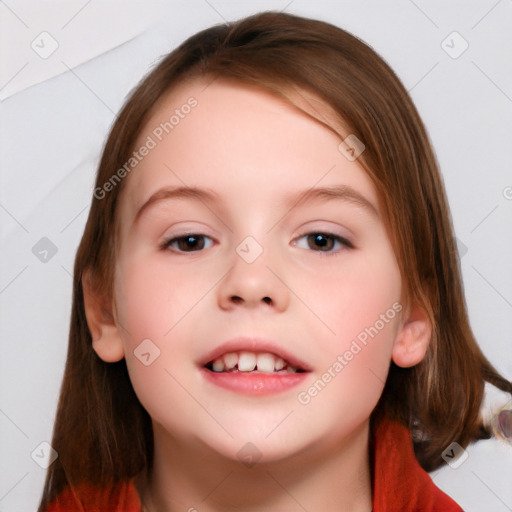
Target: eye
322, 242
188, 243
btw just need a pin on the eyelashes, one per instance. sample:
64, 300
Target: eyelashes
324, 242
187, 243
318, 241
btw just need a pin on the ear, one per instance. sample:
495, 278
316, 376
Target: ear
106, 339
413, 338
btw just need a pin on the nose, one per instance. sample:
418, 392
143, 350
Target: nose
254, 284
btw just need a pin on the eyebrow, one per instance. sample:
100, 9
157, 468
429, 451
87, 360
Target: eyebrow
166, 193
340, 192
343, 193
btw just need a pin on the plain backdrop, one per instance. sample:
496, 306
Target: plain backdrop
56, 111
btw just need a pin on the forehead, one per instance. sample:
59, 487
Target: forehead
223, 135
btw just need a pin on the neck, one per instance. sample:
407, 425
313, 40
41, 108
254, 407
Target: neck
192, 478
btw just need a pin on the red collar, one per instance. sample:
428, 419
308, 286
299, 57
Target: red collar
400, 483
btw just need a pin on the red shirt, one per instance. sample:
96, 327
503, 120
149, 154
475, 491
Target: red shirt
399, 483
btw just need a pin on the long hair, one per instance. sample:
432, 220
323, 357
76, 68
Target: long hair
102, 433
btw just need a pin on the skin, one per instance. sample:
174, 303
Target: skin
253, 150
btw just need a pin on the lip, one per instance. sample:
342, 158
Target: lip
254, 384
248, 344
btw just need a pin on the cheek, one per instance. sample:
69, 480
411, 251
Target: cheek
353, 297
152, 296
360, 304
162, 391
153, 301
353, 376
148, 311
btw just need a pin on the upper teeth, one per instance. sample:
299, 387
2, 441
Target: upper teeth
249, 361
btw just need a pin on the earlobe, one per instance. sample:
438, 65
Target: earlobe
106, 340
413, 338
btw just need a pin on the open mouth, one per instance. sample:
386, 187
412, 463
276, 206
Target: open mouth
251, 362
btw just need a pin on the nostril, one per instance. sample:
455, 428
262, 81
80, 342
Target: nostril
238, 300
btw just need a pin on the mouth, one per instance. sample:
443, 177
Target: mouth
254, 367
252, 362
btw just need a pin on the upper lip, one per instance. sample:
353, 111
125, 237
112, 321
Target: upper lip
246, 344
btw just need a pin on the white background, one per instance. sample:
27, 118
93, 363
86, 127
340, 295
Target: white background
56, 113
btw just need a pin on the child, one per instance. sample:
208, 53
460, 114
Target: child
268, 311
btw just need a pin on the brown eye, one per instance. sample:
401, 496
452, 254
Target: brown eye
327, 243
188, 243
320, 241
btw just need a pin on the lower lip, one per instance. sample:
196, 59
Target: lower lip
255, 384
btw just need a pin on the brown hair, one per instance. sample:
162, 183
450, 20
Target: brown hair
102, 433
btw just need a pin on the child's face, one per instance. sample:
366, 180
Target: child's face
256, 156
